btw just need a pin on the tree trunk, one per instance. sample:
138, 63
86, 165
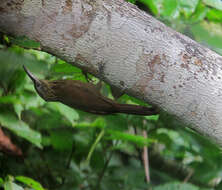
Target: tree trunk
129, 49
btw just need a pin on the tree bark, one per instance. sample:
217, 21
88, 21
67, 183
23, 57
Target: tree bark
129, 49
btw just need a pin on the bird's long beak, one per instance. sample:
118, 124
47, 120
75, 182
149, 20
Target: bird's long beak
31, 76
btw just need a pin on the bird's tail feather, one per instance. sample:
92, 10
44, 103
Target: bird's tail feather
136, 109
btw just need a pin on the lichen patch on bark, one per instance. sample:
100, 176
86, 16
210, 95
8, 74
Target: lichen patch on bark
82, 16
185, 66
68, 7
11, 5
149, 67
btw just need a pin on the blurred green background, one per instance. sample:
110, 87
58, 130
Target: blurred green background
63, 148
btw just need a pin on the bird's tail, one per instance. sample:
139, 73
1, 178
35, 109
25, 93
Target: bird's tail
136, 109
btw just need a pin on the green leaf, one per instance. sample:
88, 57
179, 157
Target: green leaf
1, 182
214, 15
25, 42
152, 5
170, 8
176, 186
133, 177
139, 140
69, 113
18, 109
116, 121
131, 100
217, 4
99, 122
49, 119
152, 117
30, 100
61, 140
29, 182
18, 80
9, 63
188, 7
66, 68
12, 186
209, 33
9, 121
132, 1
9, 99
200, 13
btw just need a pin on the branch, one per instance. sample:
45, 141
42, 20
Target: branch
130, 50
146, 159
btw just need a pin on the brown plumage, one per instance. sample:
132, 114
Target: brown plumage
83, 96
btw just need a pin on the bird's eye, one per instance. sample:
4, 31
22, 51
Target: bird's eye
37, 85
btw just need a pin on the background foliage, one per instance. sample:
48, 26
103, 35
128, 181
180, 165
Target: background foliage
63, 148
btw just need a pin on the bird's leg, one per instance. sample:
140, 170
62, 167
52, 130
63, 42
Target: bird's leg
86, 76
116, 92
99, 85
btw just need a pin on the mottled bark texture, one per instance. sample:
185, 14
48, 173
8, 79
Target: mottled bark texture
129, 49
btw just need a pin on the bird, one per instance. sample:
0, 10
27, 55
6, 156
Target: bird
84, 96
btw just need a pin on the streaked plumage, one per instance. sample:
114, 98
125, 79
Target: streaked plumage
83, 96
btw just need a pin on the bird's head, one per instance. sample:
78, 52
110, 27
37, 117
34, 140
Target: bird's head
42, 87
